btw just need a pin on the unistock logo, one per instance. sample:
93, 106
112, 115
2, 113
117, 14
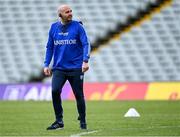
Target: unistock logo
64, 42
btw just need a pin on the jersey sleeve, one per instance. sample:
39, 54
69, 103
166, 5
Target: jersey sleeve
85, 43
49, 48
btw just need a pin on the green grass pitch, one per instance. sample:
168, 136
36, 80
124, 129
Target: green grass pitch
104, 118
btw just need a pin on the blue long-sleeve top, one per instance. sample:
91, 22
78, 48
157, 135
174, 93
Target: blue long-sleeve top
68, 45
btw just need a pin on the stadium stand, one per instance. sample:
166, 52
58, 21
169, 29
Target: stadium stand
149, 52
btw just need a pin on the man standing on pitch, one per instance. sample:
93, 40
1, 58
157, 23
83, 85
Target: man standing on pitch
69, 46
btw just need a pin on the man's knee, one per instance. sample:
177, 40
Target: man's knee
55, 89
79, 96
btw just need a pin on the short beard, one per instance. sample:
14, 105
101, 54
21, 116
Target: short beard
66, 21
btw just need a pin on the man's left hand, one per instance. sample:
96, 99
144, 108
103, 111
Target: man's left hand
85, 67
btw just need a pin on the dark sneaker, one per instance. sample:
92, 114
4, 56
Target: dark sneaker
56, 125
83, 125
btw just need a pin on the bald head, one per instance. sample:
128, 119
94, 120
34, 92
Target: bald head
65, 12
63, 7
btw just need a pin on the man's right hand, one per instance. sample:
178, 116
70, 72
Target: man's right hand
47, 71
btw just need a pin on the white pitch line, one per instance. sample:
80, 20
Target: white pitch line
84, 133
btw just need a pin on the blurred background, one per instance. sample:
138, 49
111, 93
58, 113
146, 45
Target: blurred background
135, 48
